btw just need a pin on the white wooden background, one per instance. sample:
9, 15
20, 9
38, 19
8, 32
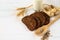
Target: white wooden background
13, 29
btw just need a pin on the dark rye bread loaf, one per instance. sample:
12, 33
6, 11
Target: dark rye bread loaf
36, 20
